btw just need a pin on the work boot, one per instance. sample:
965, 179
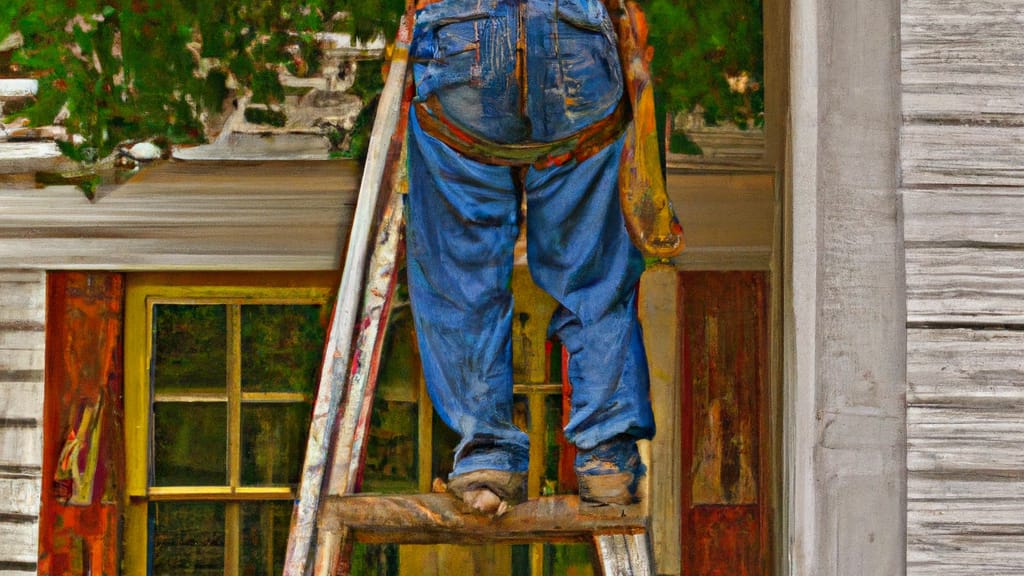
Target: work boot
490, 492
610, 473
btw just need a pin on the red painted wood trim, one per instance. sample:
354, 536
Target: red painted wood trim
732, 536
85, 319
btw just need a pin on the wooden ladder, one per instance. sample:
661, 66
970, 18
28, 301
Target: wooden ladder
328, 516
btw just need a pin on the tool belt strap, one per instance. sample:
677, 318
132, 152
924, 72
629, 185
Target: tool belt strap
579, 146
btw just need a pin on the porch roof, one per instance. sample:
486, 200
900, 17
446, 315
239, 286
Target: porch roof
270, 215
295, 215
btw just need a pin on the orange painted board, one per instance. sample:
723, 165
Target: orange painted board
83, 439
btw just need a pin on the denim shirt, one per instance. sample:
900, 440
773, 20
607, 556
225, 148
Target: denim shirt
516, 71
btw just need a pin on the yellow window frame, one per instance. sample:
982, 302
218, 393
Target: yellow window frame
233, 289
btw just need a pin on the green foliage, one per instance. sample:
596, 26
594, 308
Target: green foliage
680, 143
698, 47
266, 116
140, 69
134, 69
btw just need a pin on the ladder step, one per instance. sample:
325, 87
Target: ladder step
444, 519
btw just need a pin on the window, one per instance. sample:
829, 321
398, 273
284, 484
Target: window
221, 372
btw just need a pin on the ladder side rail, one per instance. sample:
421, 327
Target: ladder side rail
333, 547
334, 370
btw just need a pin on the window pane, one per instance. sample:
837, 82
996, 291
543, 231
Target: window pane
576, 559
391, 448
559, 474
281, 347
189, 348
187, 538
189, 444
264, 537
273, 442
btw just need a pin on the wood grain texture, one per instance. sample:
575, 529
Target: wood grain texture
659, 313
966, 537
961, 367
969, 285
980, 216
441, 518
81, 499
18, 546
965, 426
724, 491
955, 154
22, 343
962, 140
962, 73
982, 440
224, 216
962, 59
624, 554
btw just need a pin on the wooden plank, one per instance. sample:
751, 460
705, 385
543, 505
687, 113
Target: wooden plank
954, 154
18, 544
965, 440
965, 537
985, 216
965, 425
19, 496
964, 367
22, 343
79, 522
954, 486
624, 554
21, 335
21, 301
962, 60
224, 216
659, 314
967, 285
442, 518
20, 446
21, 359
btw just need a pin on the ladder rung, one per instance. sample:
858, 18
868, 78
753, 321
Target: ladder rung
443, 519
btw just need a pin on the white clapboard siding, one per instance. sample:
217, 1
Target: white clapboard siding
968, 537
961, 145
964, 366
966, 438
18, 548
982, 216
187, 215
22, 343
958, 155
962, 77
962, 59
965, 285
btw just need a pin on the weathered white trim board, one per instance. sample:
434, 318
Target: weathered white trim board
22, 344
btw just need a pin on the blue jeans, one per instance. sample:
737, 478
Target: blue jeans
463, 218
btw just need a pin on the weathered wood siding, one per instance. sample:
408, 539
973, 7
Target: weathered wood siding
186, 216
22, 343
963, 201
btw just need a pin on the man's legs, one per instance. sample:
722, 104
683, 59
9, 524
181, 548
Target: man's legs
579, 251
462, 226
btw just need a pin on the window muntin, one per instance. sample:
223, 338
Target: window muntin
221, 381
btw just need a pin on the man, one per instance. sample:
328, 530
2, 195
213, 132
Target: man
524, 97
